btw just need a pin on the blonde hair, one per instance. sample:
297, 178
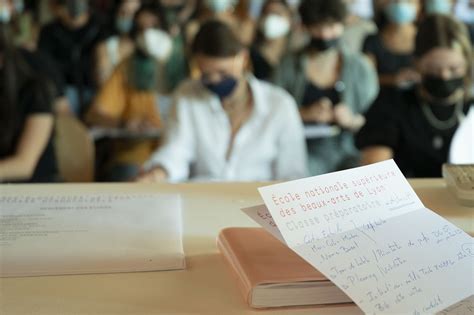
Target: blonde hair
439, 30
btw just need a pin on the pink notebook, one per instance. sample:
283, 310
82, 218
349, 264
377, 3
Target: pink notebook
269, 274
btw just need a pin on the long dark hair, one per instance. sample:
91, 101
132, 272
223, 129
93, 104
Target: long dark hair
259, 38
13, 74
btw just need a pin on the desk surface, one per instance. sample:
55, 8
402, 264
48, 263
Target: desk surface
206, 286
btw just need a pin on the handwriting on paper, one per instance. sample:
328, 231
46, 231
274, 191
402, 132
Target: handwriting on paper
368, 232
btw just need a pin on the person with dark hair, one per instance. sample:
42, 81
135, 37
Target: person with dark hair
391, 49
272, 38
234, 13
114, 49
25, 24
332, 86
129, 97
26, 121
416, 126
178, 14
70, 41
228, 125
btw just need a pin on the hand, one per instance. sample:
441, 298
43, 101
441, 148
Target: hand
346, 119
406, 75
157, 174
320, 112
139, 125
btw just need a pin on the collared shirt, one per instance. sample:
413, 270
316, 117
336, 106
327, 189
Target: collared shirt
269, 145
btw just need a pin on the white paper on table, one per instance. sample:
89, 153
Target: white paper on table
74, 233
461, 150
368, 232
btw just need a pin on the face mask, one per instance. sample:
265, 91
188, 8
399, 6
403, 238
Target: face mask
219, 5
275, 26
362, 8
155, 43
222, 89
77, 8
401, 12
440, 88
437, 7
5, 15
323, 44
19, 6
123, 25
464, 11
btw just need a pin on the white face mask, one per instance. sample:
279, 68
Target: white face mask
362, 8
464, 12
275, 26
155, 43
220, 5
5, 14
19, 6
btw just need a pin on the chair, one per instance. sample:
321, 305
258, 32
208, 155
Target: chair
75, 150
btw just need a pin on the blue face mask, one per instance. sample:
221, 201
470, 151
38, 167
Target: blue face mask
222, 89
123, 25
19, 6
401, 12
5, 15
437, 7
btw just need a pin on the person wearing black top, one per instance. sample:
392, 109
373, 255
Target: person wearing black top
416, 126
271, 41
391, 49
70, 40
26, 121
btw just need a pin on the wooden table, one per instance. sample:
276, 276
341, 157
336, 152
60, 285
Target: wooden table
206, 286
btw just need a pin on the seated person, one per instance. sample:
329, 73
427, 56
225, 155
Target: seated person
228, 125
115, 48
129, 97
234, 13
272, 38
359, 24
331, 85
391, 49
26, 119
416, 126
70, 40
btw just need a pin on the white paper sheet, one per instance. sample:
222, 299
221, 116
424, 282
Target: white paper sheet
72, 233
368, 232
461, 150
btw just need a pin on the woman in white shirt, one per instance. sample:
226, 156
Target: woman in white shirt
228, 125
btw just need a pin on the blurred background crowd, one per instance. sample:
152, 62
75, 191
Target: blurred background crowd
231, 90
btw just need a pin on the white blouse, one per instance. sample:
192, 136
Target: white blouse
270, 145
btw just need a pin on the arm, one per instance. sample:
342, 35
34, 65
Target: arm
102, 62
109, 104
375, 154
33, 140
403, 76
172, 160
319, 112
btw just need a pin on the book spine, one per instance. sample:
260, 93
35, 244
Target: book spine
244, 284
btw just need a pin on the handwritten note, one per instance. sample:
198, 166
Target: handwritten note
368, 232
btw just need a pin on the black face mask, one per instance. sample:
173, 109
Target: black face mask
440, 88
323, 44
76, 8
